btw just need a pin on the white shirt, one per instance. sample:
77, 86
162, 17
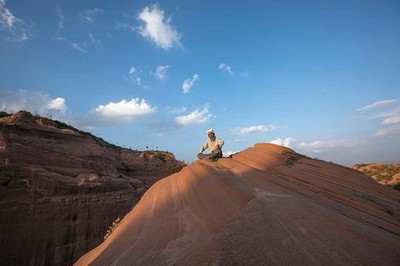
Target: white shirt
212, 145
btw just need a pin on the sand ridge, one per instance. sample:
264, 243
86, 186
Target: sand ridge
267, 205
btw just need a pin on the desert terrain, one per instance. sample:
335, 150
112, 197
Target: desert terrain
267, 205
61, 188
383, 173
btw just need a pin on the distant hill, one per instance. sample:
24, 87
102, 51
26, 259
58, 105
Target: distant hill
267, 205
385, 174
61, 188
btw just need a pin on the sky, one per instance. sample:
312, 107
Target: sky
320, 77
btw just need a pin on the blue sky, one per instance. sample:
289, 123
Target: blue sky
321, 77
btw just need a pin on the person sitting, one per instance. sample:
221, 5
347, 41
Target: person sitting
213, 145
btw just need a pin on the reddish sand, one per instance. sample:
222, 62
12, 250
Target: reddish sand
265, 206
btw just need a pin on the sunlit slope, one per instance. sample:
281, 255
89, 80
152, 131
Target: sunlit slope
265, 205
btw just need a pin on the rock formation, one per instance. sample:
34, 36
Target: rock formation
60, 188
267, 205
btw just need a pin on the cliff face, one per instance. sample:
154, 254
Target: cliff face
267, 205
61, 188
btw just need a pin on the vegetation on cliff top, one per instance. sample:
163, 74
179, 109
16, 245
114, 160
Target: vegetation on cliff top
382, 173
162, 155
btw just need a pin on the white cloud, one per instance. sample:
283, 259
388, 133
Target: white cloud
60, 25
377, 105
34, 102
124, 110
7, 18
188, 83
323, 145
196, 117
161, 72
318, 146
390, 123
78, 48
390, 118
57, 104
61, 17
229, 153
286, 142
254, 129
349, 151
135, 75
14, 26
176, 110
89, 15
157, 28
133, 70
226, 68
393, 130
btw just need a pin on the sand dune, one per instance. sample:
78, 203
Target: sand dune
265, 206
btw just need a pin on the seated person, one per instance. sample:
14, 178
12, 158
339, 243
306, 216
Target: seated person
214, 146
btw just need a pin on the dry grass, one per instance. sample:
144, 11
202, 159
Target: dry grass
382, 173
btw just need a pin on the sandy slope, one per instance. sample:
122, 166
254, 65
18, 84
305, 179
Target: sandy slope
266, 205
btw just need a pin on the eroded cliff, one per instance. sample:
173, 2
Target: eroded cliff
60, 188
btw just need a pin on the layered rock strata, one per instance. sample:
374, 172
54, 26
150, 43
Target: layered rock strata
267, 205
60, 188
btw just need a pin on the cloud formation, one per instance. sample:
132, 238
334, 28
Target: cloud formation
390, 123
254, 129
377, 105
286, 142
176, 110
390, 118
34, 102
135, 75
124, 110
57, 104
317, 146
198, 116
188, 83
78, 48
89, 15
226, 68
158, 29
60, 15
161, 72
14, 26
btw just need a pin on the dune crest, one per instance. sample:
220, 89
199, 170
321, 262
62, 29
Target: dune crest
266, 205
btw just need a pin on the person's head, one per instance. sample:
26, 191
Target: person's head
211, 133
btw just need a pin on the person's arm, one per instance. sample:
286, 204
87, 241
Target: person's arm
204, 147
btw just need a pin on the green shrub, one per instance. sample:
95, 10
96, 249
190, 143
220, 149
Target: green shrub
3, 114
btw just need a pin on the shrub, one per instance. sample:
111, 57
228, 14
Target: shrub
3, 114
112, 227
